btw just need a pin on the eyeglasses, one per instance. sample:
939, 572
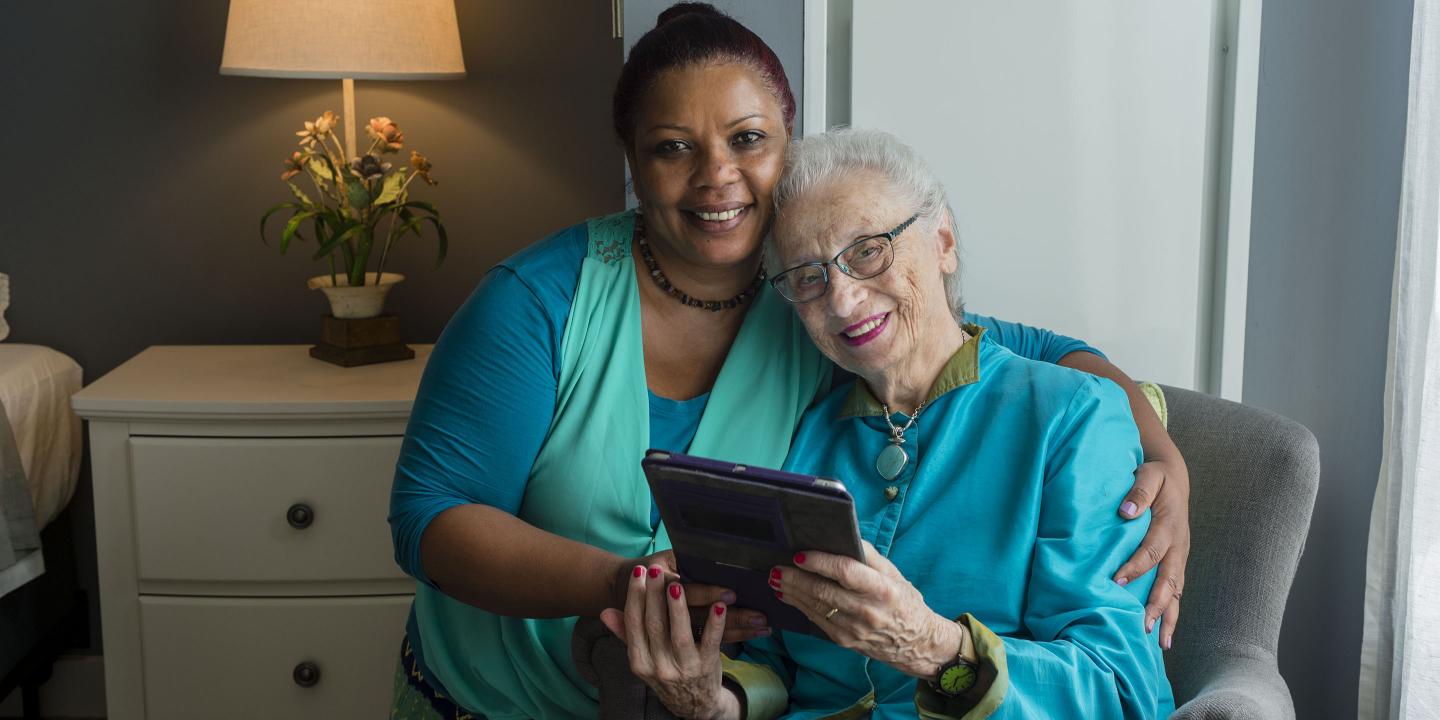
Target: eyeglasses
863, 259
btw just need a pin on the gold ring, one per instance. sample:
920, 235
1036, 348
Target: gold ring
831, 613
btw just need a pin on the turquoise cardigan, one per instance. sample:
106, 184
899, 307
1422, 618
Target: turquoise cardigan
1005, 520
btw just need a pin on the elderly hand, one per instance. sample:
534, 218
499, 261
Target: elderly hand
655, 626
1167, 543
870, 608
740, 624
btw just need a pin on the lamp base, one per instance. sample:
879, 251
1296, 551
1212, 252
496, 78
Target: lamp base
362, 341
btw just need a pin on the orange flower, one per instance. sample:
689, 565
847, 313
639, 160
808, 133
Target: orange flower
422, 168
387, 132
327, 122
318, 129
293, 165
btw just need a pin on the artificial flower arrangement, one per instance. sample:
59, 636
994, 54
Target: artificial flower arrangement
352, 198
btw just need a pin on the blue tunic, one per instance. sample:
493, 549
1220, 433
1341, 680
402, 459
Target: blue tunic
488, 394
1005, 513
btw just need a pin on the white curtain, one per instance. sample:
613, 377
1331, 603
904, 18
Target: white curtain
1400, 656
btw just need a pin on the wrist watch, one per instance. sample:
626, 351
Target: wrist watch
957, 676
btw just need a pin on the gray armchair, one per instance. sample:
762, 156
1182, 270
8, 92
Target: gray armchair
1253, 475
1253, 478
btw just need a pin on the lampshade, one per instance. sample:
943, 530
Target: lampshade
359, 39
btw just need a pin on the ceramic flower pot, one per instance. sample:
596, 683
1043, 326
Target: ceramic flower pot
351, 303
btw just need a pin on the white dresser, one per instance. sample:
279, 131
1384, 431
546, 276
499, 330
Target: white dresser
245, 562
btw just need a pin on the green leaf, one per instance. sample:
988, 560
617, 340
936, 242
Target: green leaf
320, 165
391, 189
441, 237
359, 195
272, 211
300, 194
443, 241
427, 207
329, 245
291, 228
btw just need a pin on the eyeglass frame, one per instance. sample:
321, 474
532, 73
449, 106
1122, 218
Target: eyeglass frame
824, 266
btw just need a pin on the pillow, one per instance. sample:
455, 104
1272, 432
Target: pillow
1156, 396
4, 303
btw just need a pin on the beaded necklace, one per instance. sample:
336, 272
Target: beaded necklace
659, 277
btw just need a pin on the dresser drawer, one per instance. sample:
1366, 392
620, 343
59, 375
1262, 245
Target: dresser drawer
263, 509
222, 658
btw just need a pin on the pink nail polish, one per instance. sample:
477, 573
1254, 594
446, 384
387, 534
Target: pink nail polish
1122, 582
1129, 508
1167, 642
675, 590
1149, 624
638, 571
654, 572
800, 558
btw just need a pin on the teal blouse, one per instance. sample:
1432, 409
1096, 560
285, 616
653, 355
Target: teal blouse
1004, 519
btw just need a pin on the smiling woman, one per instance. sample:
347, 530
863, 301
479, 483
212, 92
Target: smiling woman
984, 590
519, 502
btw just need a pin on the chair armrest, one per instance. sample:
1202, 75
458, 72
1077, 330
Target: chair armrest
1241, 689
602, 661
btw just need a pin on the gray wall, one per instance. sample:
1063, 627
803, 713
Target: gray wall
137, 173
1328, 143
780, 24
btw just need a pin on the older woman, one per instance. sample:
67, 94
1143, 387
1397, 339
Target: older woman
980, 479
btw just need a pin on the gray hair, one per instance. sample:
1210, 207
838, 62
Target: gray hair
819, 159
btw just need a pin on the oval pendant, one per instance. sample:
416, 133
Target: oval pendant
891, 461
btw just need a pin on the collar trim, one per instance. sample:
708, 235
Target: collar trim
963, 368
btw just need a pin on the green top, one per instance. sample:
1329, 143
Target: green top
587, 485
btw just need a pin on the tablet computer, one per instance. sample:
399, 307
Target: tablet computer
729, 524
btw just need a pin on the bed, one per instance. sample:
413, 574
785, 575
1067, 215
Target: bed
39, 433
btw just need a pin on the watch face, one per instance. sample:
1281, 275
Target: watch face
957, 679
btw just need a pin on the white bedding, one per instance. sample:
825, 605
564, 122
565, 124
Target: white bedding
35, 388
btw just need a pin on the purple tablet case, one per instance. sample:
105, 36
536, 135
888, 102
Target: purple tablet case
730, 524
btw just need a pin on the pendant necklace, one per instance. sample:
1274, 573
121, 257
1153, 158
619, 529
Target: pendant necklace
893, 458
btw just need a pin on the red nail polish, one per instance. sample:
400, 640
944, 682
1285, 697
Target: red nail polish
719, 609
675, 590
775, 574
800, 558
779, 595
654, 572
638, 571
774, 584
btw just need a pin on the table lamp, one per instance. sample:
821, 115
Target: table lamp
346, 39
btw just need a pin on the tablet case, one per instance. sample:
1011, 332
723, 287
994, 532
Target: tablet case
730, 524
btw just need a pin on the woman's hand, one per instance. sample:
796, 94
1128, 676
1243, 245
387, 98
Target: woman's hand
740, 624
870, 608
655, 626
1163, 487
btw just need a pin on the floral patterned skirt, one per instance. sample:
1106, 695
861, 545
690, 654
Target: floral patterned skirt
415, 699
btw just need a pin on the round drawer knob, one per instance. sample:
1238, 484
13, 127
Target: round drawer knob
306, 674
300, 516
